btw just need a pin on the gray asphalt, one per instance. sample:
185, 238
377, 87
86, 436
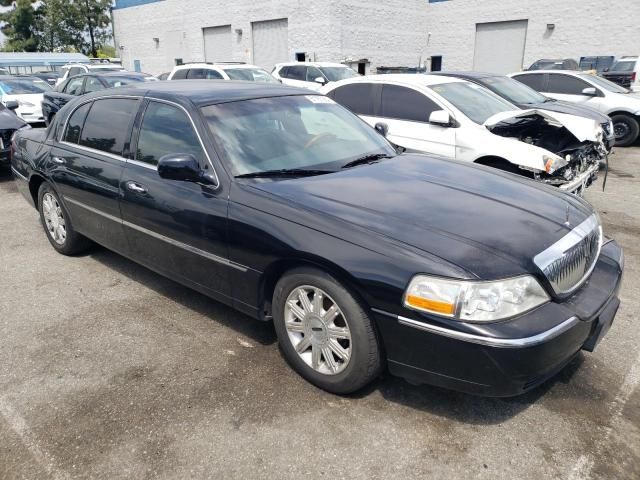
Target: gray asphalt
108, 370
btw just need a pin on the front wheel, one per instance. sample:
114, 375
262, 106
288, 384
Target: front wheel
324, 333
57, 224
626, 129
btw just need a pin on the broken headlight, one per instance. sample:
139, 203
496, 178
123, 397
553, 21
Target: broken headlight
553, 163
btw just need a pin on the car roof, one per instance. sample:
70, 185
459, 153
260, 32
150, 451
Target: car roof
531, 72
313, 64
213, 65
209, 92
467, 74
416, 79
112, 73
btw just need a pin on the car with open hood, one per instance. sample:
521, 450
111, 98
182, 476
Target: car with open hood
461, 120
284, 205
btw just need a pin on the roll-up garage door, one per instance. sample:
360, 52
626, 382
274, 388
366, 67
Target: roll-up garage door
500, 46
270, 42
217, 43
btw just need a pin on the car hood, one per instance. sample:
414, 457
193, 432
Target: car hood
487, 222
561, 106
9, 120
584, 129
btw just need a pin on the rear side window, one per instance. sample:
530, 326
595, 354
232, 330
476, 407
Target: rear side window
357, 97
75, 123
297, 72
75, 71
203, 74
180, 74
108, 125
566, 84
166, 129
535, 80
406, 104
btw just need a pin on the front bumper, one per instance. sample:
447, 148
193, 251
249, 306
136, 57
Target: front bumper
582, 181
511, 357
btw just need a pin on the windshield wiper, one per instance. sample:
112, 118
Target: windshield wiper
367, 159
285, 172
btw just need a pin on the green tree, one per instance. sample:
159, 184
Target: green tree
94, 16
56, 28
18, 25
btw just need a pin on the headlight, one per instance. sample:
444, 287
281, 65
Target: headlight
553, 163
470, 301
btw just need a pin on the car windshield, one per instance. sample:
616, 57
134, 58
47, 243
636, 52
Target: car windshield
250, 74
119, 81
513, 90
308, 132
474, 101
604, 83
24, 86
335, 74
624, 66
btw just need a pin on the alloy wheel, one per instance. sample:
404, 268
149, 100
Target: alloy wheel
621, 130
53, 218
318, 330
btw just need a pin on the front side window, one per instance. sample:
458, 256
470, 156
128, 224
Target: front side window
313, 73
565, 84
92, 85
74, 86
203, 74
292, 132
297, 72
165, 130
120, 81
357, 97
180, 74
624, 66
605, 84
406, 104
75, 123
250, 74
108, 125
474, 101
335, 74
534, 80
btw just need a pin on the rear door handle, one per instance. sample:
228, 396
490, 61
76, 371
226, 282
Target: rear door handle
136, 187
58, 160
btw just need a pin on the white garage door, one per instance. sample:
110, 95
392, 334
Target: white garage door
217, 43
500, 46
270, 42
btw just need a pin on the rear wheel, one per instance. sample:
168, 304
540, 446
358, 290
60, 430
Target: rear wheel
626, 129
324, 333
57, 224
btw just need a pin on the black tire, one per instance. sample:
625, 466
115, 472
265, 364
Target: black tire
365, 362
73, 243
627, 127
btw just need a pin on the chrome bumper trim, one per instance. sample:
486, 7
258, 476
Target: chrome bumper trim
487, 341
580, 179
18, 174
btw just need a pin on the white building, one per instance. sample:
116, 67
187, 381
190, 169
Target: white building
495, 35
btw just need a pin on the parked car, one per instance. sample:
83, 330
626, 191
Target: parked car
312, 75
464, 121
74, 69
28, 92
596, 64
456, 275
626, 73
525, 97
73, 87
617, 102
50, 77
9, 123
221, 71
555, 64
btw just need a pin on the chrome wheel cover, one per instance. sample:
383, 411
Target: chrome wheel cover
318, 330
53, 219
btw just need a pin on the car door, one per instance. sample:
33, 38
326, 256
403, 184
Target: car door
569, 88
87, 165
406, 111
177, 228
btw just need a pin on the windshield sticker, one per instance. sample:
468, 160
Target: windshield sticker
318, 99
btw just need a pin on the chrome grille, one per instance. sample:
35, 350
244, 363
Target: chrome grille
568, 262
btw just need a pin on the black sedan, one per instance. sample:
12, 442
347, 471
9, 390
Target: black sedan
86, 83
286, 206
9, 123
526, 97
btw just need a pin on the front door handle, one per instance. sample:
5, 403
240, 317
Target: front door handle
58, 160
136, 187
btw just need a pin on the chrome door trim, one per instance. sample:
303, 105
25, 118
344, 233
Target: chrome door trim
151, 233
522, 342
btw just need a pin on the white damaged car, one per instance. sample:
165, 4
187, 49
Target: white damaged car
465, 121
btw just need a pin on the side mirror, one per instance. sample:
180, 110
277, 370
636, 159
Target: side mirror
382, 128
441, 118
320, 80
590, 92
184, 167
12, 104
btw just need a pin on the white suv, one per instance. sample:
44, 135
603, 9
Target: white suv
221, 71
74, 69
622, 106
312, 75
